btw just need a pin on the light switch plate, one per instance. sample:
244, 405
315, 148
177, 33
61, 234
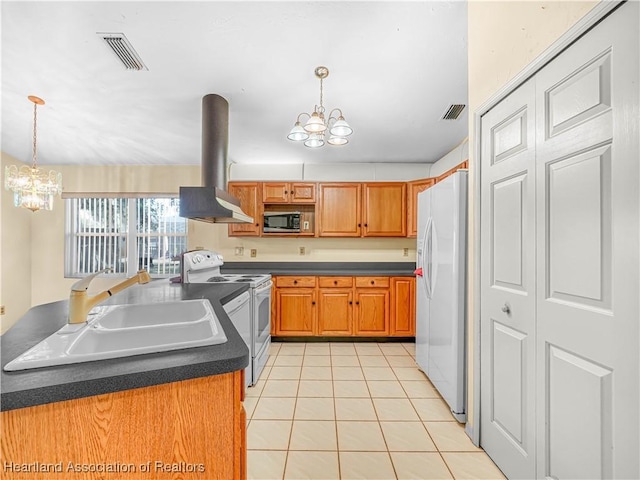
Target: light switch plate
239, 251
302, 250
254, 252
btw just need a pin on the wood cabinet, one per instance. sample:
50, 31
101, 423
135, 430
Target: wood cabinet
413, 189
335, 302
296, 309
371, 306
192, 422
340, 210
248, 194
451, 171
288, 192
384, 209
403, 307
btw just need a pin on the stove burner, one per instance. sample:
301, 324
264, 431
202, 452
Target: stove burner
217, 279
248, 276
249, 279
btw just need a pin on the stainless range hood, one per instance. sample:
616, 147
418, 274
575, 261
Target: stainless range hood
211, 203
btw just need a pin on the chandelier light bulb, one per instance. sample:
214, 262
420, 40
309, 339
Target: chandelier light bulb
297, 133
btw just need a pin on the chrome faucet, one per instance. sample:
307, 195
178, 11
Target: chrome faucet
80, 303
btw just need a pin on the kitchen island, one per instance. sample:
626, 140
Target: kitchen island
167, 415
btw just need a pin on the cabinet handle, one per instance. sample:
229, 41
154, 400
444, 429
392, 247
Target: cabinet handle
313, 303
286, 193
295, 282
366, 225
335, 282
373, 282
350, 303
359, 225
357, 303
257, 224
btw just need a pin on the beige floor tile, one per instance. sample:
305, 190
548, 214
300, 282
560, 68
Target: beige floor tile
350, 389
360, 437
316, 373
250, 405
284, 373
347, 373
420, 466
410, 347
270, 360
314, 409
395, 409
315, 388
378, 373
312, 466
385, 389
345, 361
274, 348
366, 349
408, 373
450, 437
419, 389
472, 466
256, 390
355, 409
316, 361
265, 464
373, 361
280, 388
317, 349
268, 434
291, 349
274, 409
399, 361
342, 349
407, 437
432, 409
366, 465
288, 361
313, 435
393, 349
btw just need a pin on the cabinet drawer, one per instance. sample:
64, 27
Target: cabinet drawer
291, 281
337, 282
372, 281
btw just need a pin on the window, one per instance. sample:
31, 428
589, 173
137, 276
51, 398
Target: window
125, 235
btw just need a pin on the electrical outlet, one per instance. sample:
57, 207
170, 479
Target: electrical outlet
301, 250
305, 225
254, 252
405, 252
239, 251
1, 309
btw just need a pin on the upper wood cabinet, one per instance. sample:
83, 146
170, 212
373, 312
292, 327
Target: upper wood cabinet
288, 192
362, 210
413, 189
248, 194
339, 210
451, 171
385, 209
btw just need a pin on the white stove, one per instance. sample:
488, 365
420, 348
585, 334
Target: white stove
203, 266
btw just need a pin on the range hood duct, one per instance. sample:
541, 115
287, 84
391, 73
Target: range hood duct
211, 203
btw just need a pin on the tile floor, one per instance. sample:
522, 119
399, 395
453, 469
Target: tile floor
354, 411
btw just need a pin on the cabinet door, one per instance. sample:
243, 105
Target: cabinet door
302, 193
296, 311
413, 189
340, 210
403, 307
372, 312
275, 192
247, 193
385, 209
335, 315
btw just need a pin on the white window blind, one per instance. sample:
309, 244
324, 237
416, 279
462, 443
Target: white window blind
124, 235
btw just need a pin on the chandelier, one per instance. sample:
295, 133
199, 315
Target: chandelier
314, 131
32, 187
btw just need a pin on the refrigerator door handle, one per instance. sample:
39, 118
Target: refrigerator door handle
433, 274
426, 257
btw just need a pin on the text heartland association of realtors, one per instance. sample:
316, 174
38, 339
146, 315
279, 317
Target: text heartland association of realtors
115, 467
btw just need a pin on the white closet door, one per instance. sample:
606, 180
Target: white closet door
508, 283
587, 255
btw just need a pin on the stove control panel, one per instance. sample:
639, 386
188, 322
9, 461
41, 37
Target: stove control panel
201, 260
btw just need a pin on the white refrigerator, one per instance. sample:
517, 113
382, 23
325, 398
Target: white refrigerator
441, 288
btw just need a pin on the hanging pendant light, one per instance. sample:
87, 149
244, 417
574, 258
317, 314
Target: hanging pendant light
32, 187
314, 130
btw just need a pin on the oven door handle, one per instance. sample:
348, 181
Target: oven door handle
265, 288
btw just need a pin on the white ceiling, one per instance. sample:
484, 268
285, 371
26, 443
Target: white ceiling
395, 67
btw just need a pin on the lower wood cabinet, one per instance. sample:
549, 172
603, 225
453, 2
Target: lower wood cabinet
345, 306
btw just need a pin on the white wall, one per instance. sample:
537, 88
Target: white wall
504, 37
451, 159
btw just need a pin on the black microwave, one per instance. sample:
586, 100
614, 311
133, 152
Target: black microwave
281, 222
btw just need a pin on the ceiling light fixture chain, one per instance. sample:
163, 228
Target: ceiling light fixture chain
32, 187
314, 130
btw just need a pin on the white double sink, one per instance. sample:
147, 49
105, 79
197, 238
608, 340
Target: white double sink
126, 330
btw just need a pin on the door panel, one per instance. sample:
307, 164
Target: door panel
508, 283
372, 312
587, 255
248, 194
339, 211
335, 316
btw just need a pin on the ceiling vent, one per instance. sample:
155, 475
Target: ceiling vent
453, 112
123, 50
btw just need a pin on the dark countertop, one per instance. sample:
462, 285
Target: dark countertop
395, 269
54, 384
